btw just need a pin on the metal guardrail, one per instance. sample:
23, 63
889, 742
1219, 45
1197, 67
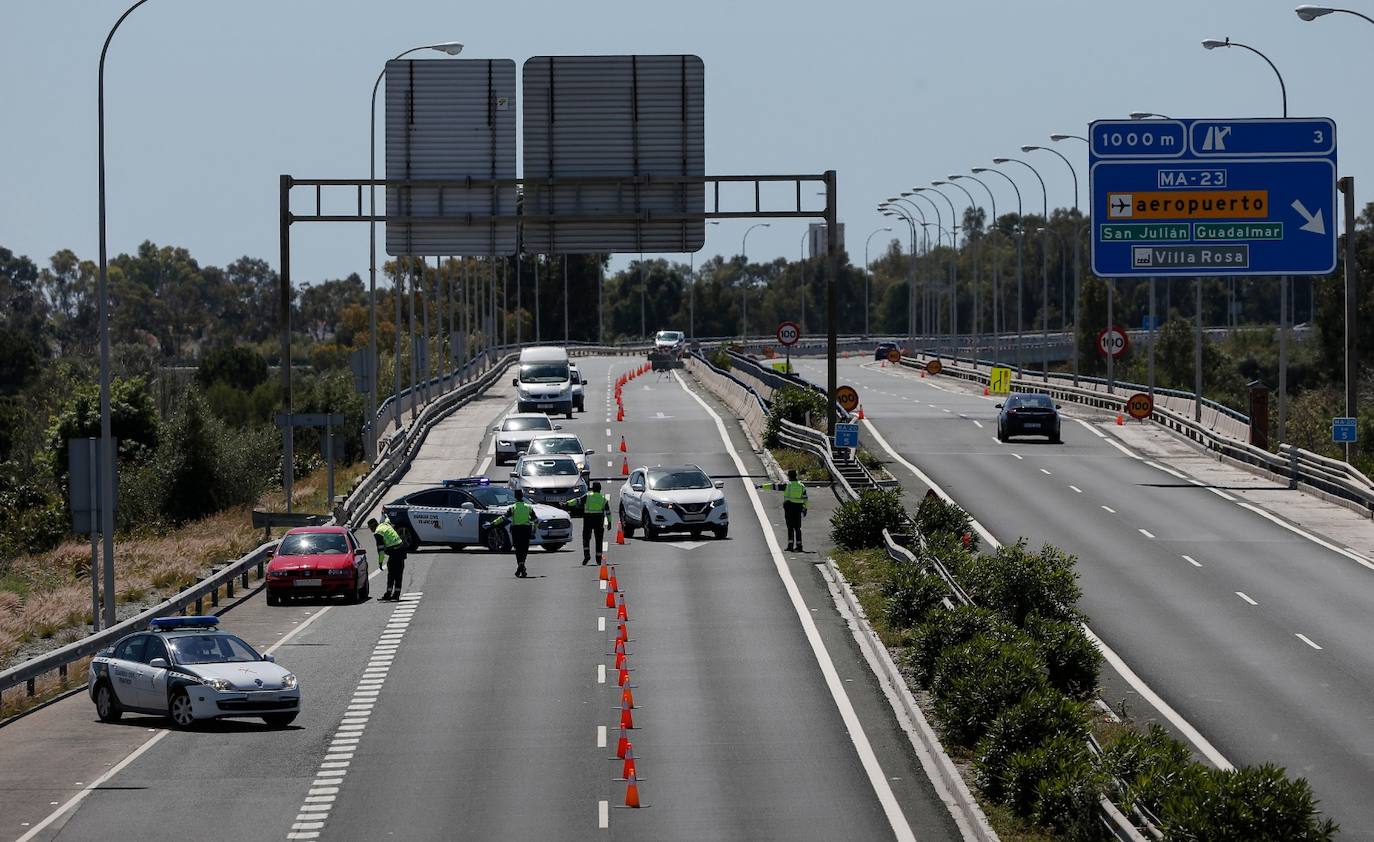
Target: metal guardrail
208, 588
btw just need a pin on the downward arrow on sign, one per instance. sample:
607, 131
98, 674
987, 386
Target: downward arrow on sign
1314, 221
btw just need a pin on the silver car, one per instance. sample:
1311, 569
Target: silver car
578, 381
551, 480
514, 434
562, 444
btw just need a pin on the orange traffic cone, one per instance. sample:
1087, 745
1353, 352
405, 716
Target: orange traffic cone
620, 660
624, 677
627, 719
622, 633
610, 598
620, 534
622, 444
1120, 421
622, 746
619, 648
613, 585
627, 699
986, 391
624, 466
621, 613
882, 364
861, 412
602, 574
620, 414
632, 793
628, 770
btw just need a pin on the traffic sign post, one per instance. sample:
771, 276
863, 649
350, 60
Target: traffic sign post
999, 381
1344, 430
788, 334
847, 435
847, 398
1113, 342
1213, 197
934, 367
1140, 406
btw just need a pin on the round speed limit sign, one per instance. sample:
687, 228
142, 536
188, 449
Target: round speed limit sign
847, 398
1140, 406
1113, 341
789, 333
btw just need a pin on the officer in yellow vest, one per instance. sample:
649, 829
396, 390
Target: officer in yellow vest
393, 555
522, 523
596, 519
793, 507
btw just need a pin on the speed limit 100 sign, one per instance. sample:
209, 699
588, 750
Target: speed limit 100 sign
789, 333
1140, 406
1112, 341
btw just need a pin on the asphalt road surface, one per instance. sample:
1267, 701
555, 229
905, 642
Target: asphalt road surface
1254, 634
476, 709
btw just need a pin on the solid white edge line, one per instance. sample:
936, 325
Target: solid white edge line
1091, 428
1359, 559
1193, 735
1122, 448
142, 749
901, 828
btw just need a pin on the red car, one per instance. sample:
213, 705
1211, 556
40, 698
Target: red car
317, 561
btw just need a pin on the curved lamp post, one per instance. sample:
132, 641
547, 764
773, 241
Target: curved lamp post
1077, 251
953, 265
1020, 253
893, 210
868, 279
744, 279
996, 274
1212, 44
1044, 277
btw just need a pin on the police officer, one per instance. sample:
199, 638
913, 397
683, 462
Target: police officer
793, 507
596, 519
393, 555
522, 522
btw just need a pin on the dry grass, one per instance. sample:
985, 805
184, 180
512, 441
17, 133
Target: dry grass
43, 595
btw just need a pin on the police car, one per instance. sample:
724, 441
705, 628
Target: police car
459, 515
186, 668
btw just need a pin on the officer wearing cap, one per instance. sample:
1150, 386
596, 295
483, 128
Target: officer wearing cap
522, 523
596, 519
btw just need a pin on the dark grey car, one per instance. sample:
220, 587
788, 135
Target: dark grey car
1028, 415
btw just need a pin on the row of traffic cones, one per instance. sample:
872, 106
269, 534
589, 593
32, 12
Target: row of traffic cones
624, 749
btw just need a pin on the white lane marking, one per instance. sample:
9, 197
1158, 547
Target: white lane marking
603, 814
1094, 430
1109, 510
1170, 471
601, 624
1076, 489
1355, 557
152, 741
1192, 561
1305, 639
900, 826
600, 673
608, 447
1192, 734
324, 790
484, 464
1019, 456
601, 736
1246, 598
608, 431
1147, 533
978, 424
1121, 448
320, 799
1045, 472
942, 409
994, 438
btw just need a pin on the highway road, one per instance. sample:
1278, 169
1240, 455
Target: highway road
475, 708
1252, 633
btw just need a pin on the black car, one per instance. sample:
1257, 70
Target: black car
1034, 415
881, 352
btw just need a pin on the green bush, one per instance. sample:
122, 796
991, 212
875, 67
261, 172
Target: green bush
795, 404
859, 524
33, 517
720, 358
133, 422
938, 517
975, 681
1019, 583
1058, 787
238, 367
946, 627
1249, 804
1071, 658
1150, 764
909, 594
1033, 720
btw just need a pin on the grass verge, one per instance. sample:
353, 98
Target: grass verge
809, 467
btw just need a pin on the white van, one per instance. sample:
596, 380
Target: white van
544, 383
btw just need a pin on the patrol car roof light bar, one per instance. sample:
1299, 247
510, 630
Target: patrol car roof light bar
828, 214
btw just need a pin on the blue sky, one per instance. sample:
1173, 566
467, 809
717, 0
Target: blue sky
208, 102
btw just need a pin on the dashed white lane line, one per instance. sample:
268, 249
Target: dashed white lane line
1076, 489
1305, 639
1192, 561
1147, 533
601, 734
601, 623
1045, 472
978, 424
319, 800
603, 814
1019, 456
600, 673
1109, 510
1246, 598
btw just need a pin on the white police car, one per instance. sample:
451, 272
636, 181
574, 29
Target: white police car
186, 669
460, 515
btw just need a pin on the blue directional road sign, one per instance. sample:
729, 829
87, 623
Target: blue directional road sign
1343, 430
1213, 197
846, 435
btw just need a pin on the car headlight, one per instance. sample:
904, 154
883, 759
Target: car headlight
288, 681
219, 684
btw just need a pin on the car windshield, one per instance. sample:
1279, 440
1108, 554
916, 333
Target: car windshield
493, 495
669, 336
313, 543
549, 468
564, 444
543, 372
211, 649
515, 425
678, 480
1034, 401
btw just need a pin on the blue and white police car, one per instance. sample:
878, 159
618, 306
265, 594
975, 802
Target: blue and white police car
460, 513
186, 668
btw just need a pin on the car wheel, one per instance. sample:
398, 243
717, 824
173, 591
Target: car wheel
696, 534
273, 599
353, 595
409, 539
721, 532
179, 709
570, 412
105, 705
625, 525
367, 586
457, 548
279, 720
552, 548
651, 532
497, 541
1055, 439
1001, 435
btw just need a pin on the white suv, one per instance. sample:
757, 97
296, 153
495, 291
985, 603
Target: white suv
676, 498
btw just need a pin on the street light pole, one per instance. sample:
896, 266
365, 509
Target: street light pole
744, 279
996, 268
1045, 280
1212, 44
106, 467
912, 320
868, 280
801, 262
452, 48
973, 258
1020, 249
898, 212
953, 271
1077, 255
932, 306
